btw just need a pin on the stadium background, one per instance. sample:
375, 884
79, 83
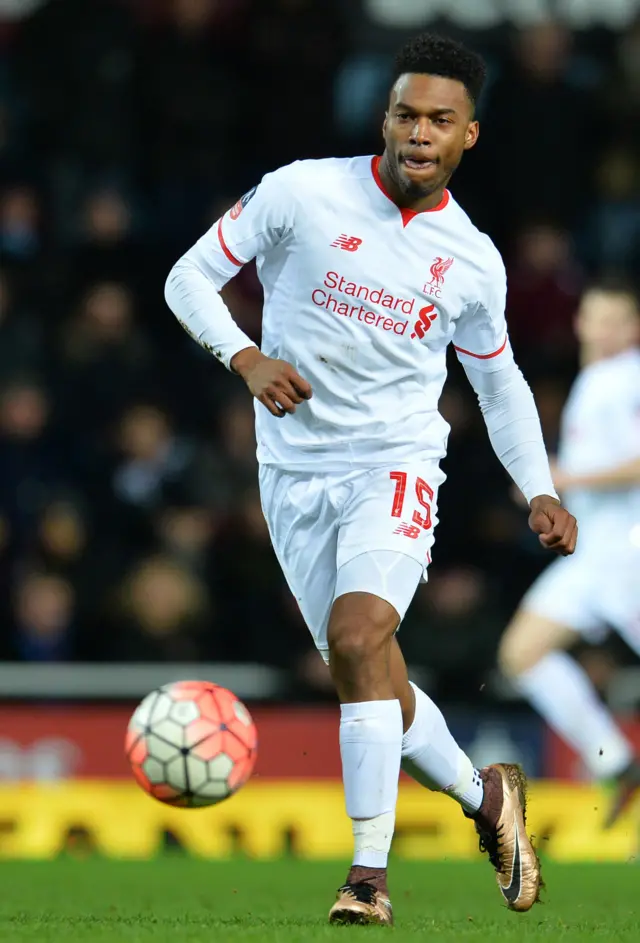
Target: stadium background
132, 546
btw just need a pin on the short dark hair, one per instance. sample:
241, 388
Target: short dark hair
436, 55
613, 283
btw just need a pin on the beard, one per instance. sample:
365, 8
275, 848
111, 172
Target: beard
412, 189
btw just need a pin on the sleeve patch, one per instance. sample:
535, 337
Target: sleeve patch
242, 202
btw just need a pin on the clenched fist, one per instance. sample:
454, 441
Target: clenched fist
274, 383
557, 529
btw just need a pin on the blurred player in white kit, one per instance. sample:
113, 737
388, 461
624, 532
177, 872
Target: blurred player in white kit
598, 474
370, 270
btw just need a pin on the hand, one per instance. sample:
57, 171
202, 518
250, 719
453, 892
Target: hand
557, 529
273, 382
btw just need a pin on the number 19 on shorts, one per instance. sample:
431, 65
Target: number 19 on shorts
423, 495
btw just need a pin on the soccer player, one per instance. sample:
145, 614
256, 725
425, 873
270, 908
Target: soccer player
598, 473
370, 270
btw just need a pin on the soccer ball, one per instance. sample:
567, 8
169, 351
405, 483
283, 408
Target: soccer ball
191, 744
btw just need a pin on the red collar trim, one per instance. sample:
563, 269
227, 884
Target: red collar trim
407, 214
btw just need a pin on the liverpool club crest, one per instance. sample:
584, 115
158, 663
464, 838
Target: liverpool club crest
438, 271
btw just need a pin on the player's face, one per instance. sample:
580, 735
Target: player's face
607, 323
426, 130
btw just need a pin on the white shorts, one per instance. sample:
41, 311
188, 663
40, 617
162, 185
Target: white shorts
591, 595
366, 530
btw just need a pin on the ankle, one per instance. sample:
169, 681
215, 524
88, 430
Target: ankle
372, 840
469, 788
492, 797
377, 877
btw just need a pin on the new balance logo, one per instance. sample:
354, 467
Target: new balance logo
348, 243
408, 530
427, 316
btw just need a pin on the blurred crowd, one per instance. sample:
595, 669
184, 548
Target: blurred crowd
130, 522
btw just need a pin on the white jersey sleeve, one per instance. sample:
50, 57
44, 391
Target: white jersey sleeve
482, 345
481, 335
257, 223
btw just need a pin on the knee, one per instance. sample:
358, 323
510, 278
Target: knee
357, 639
509, 661
516, 654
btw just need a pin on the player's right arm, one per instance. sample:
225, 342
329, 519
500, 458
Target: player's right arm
257, 224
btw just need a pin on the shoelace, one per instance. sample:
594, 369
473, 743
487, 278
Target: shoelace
361, 891
489, 844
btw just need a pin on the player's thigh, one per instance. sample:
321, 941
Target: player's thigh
559, 607
303, 526
388, 577
528, 638
386, 533
391, 509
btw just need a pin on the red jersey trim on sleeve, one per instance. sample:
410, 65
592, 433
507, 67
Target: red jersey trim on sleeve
225, 247
470, 353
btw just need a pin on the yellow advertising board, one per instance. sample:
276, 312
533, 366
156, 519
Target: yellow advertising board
306, 818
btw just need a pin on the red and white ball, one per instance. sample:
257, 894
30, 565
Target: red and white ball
191, 744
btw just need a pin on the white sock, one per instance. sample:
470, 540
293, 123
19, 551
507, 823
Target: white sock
433, 758
370, 743
560, 690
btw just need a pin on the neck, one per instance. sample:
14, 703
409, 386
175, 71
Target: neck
419, 204
589, 355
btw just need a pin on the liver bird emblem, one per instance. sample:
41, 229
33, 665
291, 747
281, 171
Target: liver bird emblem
438, 270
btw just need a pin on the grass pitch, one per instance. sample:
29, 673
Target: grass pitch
176, 899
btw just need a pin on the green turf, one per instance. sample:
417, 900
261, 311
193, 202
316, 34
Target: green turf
177, 899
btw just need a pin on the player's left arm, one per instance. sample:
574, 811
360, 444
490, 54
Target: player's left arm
482, 345
617, 478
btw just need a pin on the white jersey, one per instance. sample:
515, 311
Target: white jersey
600, 430
363, 298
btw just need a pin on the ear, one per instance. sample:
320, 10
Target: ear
471, 135
384, 124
